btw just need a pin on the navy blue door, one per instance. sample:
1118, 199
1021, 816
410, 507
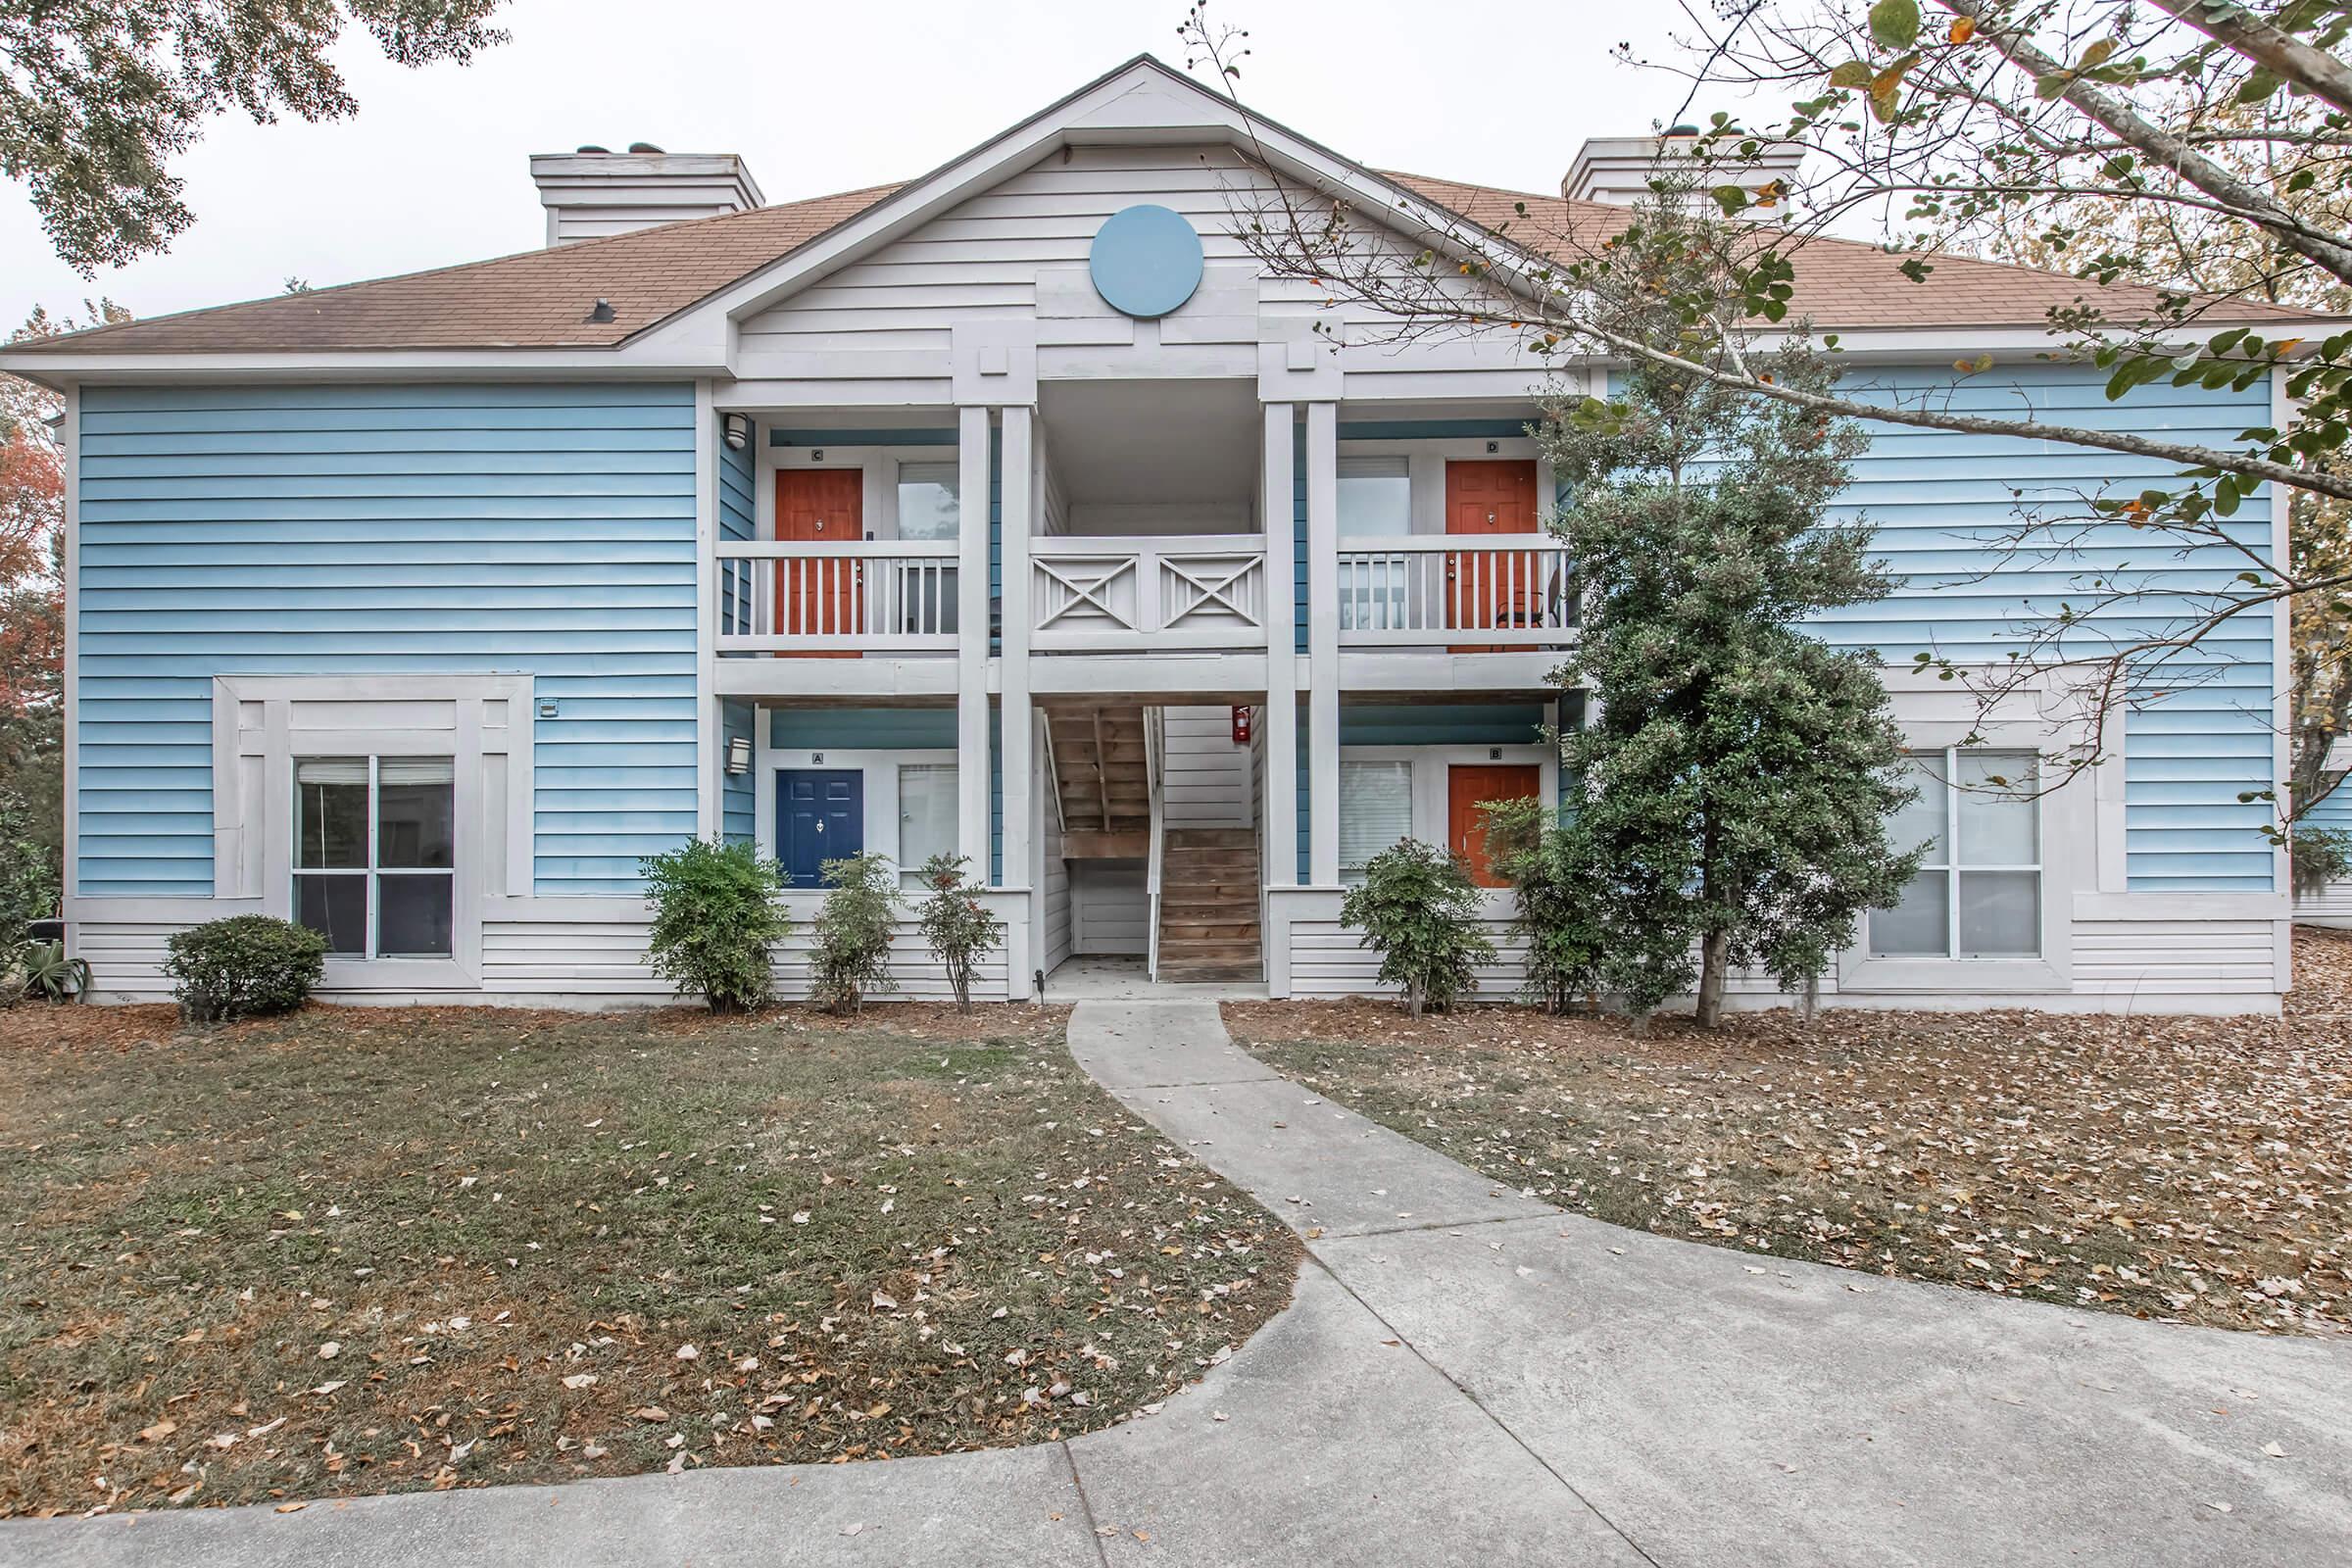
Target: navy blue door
820, 816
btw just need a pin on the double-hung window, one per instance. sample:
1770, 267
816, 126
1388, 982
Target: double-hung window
1376, 810
1978, 893
1376, 502
375, 853
928, 510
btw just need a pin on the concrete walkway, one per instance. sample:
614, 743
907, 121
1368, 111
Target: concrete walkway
1469, 1376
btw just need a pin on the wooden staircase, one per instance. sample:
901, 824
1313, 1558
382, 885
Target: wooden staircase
1208, 892
1099, 768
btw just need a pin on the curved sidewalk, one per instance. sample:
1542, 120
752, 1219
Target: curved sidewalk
1470, 1376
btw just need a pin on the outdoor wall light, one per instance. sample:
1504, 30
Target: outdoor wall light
739, 431
739, 756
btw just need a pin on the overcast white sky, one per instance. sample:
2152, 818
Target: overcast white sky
823, 98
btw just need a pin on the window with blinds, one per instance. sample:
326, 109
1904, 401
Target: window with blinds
1376, 810
375, 853
926, 817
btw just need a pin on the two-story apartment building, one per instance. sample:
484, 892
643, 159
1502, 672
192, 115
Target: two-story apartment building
1009, 511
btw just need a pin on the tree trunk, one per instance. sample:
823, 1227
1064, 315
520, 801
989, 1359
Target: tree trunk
1412, 1001
1715, 953
1812, 997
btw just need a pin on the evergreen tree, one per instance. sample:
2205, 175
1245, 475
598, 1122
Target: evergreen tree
1736, 784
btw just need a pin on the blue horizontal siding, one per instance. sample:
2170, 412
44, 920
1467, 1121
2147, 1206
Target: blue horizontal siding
1442, 724
866, 729
2199, 734
545, 530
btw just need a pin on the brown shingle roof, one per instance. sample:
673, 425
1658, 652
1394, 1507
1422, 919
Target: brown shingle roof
1839, 282
542, 299
539, 299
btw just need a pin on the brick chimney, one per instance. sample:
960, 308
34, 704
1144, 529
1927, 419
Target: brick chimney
1618, 169
591, 193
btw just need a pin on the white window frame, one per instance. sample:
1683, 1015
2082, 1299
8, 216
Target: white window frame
2067, 834
897, 784
1943, 764
1352, 875
483, 723
369, 871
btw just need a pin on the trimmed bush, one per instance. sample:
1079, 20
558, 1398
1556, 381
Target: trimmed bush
1550, 866
244, 966
957, 925
2318, 855
854, 929
1419, 909
715, 918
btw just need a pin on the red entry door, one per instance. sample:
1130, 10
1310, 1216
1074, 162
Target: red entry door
1469, 784
820, 596
1481, 588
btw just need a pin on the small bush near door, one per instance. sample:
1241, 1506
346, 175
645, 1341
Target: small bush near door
244, 966
1419, 909
715, 918
1550, 864
954, 922
854, 930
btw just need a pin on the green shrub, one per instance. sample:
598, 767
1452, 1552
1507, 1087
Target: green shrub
2318, 855
854, 930
242, 967
715, 919
48, 974
1420, 909
956, 924
1550, 864
27, 875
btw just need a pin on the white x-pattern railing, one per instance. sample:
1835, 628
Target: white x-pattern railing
1098, 595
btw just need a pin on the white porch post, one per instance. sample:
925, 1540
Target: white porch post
1016, 725
972, 642
1323, 642
1281, 803
710, 729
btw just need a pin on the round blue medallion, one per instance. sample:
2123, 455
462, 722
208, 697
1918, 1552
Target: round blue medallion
1146, 261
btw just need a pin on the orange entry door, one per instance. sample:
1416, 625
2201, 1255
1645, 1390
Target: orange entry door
1483, 589
817, 596
1466, 785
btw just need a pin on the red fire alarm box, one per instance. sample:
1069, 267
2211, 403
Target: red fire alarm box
1240, 725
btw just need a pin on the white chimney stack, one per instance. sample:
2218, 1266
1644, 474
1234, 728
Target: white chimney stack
1618, 169
591, 193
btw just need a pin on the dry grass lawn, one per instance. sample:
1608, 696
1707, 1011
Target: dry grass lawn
359, 1250
2181, 1169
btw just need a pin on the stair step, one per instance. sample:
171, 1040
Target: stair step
1191, 931
1232, 948
1211, 838
1209, 973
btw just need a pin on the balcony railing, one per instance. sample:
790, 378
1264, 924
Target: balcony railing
882, 596
1098, 595
1482, 592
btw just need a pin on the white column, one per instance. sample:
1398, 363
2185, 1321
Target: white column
1281, 717
1323, 642
972, 642
1020, 523
711, 746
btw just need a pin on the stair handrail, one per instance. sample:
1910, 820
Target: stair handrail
1153, 743
1052, 770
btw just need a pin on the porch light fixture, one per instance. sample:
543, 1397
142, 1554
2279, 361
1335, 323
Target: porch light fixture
739, 431
739, 756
